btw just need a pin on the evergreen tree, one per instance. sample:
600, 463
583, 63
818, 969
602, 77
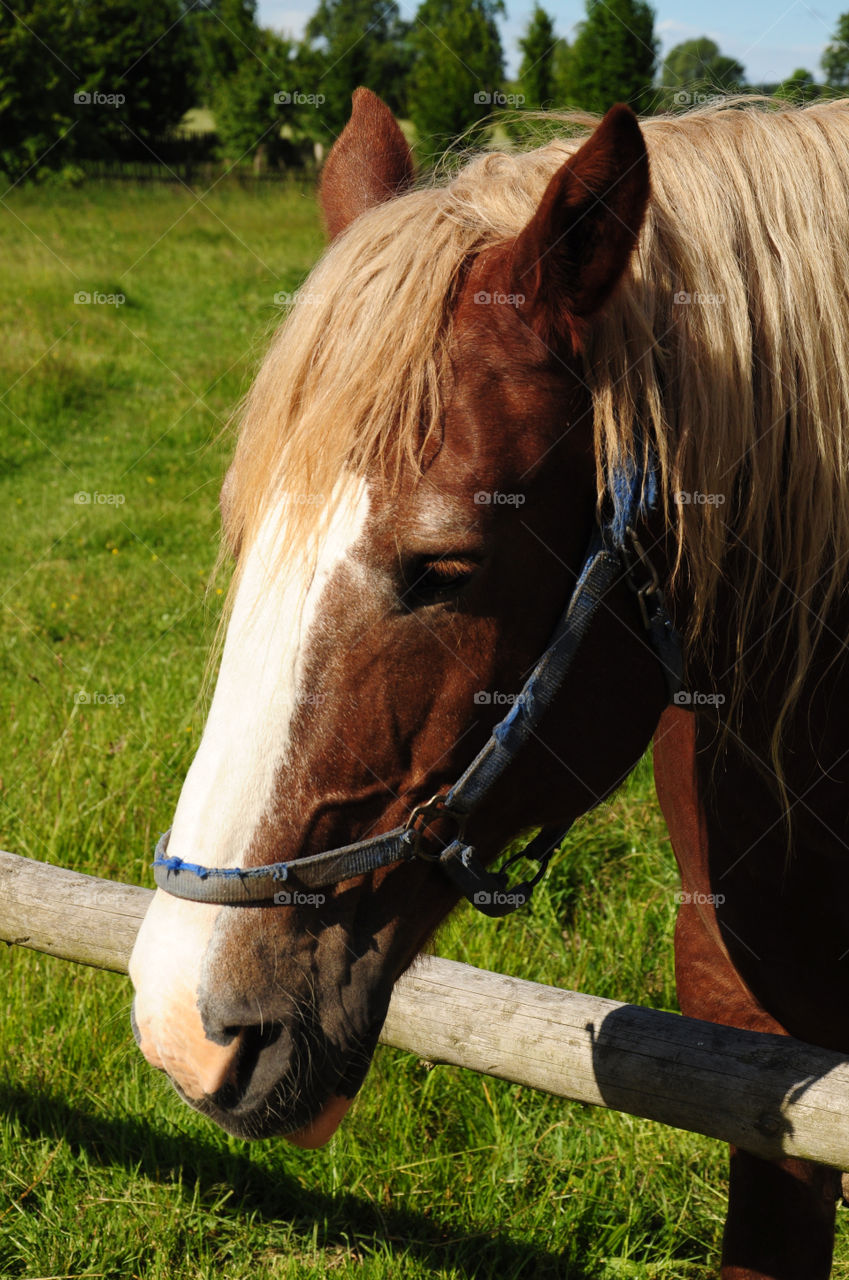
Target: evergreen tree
835, 59
354, 42
561, 64
614, 55
536, 72
458, 68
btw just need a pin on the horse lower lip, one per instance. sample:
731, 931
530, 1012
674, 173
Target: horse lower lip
322, 1128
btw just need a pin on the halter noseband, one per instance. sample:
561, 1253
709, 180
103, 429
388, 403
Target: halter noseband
614, 552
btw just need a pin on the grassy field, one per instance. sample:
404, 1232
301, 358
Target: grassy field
107, 619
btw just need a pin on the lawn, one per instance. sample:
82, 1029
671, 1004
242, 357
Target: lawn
113, 441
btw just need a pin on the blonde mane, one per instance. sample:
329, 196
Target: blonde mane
727, 343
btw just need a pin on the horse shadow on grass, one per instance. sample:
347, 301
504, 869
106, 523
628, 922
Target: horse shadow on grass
343, 1218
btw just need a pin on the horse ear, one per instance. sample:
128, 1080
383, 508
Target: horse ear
370, 162
575, 249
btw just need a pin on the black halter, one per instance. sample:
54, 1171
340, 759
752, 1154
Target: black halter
614, 552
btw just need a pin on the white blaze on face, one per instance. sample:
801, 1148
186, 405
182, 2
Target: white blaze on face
230, 784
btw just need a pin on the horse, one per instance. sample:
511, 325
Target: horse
581, 411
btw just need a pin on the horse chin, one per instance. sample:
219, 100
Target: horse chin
268, 1122
273, 1115
323, 1127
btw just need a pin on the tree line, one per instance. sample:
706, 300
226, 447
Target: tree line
84, 80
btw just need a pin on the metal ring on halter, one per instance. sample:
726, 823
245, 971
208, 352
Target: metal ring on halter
423, 814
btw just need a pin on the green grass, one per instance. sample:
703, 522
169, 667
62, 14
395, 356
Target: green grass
436, 1172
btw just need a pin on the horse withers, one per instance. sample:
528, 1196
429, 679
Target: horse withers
628, 349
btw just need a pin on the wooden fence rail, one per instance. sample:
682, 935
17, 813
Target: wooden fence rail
768, 1094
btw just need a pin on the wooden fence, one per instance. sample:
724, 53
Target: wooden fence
771, 1095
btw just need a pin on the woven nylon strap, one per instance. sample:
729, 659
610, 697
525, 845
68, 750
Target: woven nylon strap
602, 569
231, 886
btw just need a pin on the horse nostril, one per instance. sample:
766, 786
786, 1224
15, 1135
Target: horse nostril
217, 1064
264, 1055
255, 1040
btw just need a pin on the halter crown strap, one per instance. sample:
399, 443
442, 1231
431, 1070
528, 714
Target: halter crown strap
614, 552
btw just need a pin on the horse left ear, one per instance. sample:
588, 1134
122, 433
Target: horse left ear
370, 162
575, 249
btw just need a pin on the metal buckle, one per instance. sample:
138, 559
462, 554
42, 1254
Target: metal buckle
423, 814
649, 588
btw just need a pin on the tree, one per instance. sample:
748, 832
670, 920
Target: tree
354, 42
248, 75
222, 33
139, 53
561, 65
37, 81
835, 59
696, 69
458, 67
800, 86
257, 99
614, 55
536, 72
85, 80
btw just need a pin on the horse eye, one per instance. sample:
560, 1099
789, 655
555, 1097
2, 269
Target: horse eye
429, 579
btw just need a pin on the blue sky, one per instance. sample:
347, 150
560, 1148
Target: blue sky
770, 37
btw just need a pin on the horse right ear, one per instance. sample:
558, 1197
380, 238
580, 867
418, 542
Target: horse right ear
370, 162
575, 249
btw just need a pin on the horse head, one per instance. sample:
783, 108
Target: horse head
394, 585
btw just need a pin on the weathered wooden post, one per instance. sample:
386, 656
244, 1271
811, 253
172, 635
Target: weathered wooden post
768, 1094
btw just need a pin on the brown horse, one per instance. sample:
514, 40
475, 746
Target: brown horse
436, 430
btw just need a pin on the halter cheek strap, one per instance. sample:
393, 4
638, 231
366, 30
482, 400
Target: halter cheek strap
614, 553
